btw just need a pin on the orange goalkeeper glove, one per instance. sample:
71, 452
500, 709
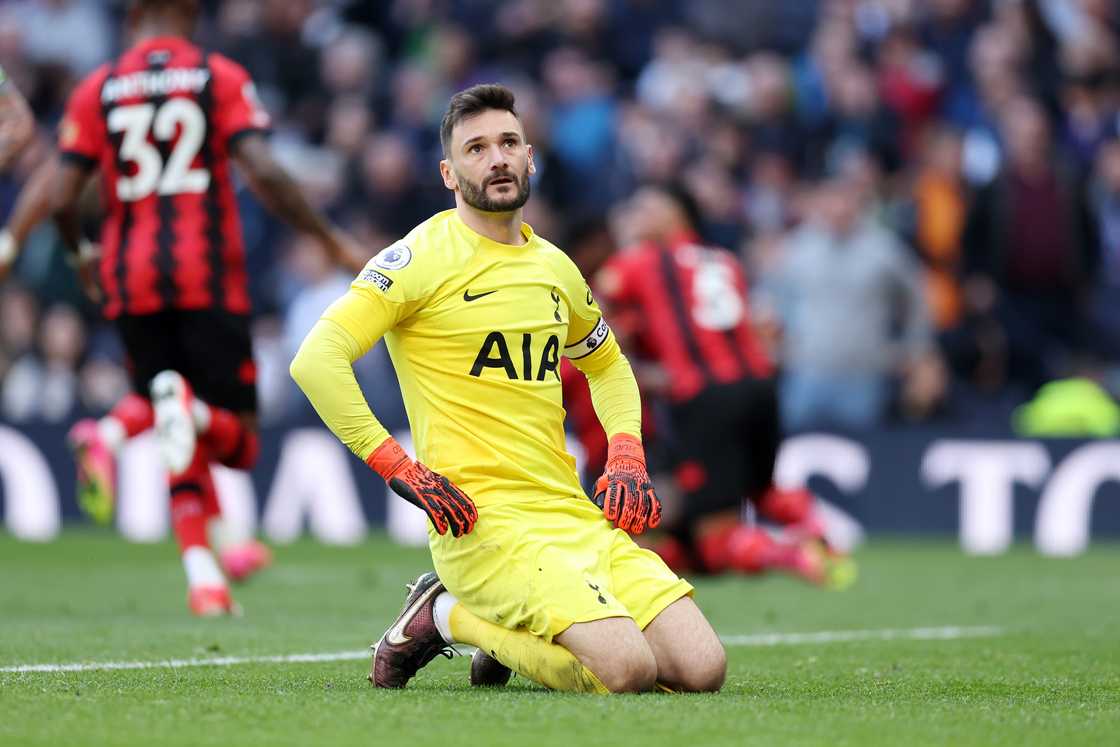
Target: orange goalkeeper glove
624, 491
447, 506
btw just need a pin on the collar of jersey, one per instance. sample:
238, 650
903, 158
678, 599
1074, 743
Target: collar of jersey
483, 242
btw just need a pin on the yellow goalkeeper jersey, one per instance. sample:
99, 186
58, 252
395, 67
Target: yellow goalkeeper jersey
476, 331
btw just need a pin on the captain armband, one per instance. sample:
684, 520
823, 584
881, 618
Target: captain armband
590, 343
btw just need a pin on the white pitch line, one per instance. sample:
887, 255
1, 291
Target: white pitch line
847, 636
758, 639
221, 661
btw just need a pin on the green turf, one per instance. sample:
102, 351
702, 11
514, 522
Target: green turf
1052, 678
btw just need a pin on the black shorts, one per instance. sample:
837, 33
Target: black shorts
726, 439
211, 348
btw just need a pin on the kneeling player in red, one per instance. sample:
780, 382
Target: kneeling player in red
684, 306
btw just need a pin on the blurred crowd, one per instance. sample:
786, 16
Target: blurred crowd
925, 193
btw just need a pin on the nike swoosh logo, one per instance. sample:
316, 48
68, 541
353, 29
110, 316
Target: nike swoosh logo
468, 297
395, 635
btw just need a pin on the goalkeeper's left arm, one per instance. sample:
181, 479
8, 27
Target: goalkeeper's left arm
614, 390
323, 369
624, 491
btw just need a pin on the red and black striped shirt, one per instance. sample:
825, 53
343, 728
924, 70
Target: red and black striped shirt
687, 307
158, 123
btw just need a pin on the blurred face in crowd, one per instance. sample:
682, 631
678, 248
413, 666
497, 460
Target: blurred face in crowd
654, 215
771, 95
453, 49
488, 162
349, 64
62, 336
387, 164
855, 91
309, 261
17, 320
348, 122
943, 153
1026, 134
838, 205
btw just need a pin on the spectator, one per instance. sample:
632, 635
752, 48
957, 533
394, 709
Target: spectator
910, 79
940, 205
747, 103
349, 121
415, 109
350, 64
1105, 310
857, 121
837, 286
43, 384
70, 33
392, 192
18, 318
582, 120
1031, 245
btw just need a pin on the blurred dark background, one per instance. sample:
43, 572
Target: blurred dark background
961, 153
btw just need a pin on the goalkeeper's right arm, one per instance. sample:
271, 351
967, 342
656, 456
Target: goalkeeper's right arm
323, 369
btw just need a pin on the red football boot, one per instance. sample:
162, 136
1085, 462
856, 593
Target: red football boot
96, 470
210, 601
241, 561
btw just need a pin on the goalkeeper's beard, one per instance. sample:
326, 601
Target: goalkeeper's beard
475, 194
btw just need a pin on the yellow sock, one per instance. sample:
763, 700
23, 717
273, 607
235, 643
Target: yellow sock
550, 664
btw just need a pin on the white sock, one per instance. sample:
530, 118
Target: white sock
441, 611
201, 568
218, 532
112, 432
200, 413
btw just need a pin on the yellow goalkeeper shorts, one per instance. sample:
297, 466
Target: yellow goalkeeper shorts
544, 566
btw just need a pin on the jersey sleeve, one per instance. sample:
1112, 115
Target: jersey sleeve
391, 287
587, 330
592, 348
385, 293
81, 134
323, 369
238, 109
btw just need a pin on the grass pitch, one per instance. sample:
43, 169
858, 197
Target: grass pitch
1050, 675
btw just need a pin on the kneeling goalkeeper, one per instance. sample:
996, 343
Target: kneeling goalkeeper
476, 311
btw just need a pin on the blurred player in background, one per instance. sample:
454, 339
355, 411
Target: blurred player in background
160, 126
477, 311
683, 306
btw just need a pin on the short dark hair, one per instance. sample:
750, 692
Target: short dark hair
472, 101
686, 201
584, 227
